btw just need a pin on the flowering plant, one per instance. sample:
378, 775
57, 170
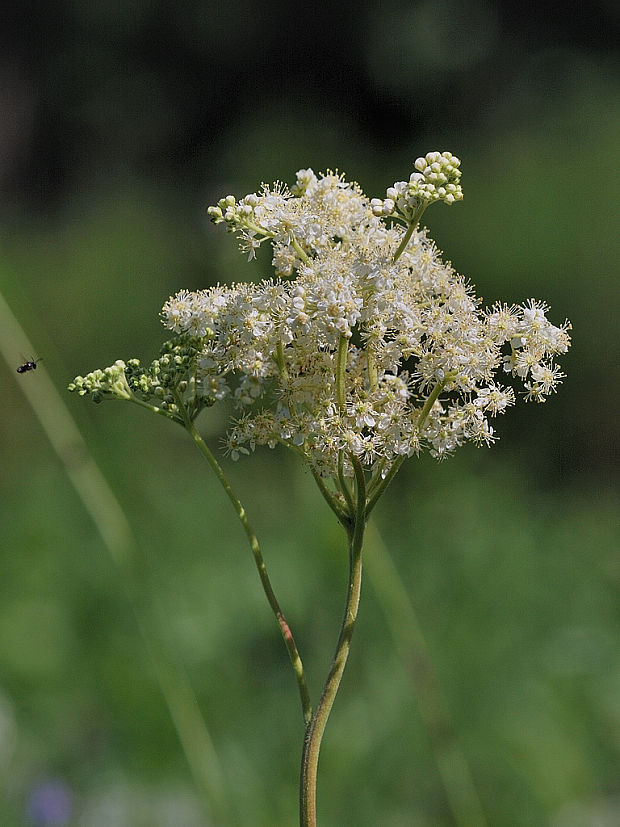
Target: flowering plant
363, 350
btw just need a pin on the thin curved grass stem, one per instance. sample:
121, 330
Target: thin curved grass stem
405, 630
108, 516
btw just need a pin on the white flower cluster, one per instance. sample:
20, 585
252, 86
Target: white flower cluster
368, 349
318, 213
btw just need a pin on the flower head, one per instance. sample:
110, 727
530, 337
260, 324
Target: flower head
365, 343
365, 324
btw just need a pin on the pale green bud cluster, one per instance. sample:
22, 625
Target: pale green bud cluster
227, 210
109, 382
160, 385
437, 178
166, 372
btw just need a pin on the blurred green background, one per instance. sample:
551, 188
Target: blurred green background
119, 123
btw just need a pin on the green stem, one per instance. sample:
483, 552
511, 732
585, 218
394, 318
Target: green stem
281, 361
258, 559
413, 223
341, 373
330, 499
377, 476
250, 225
432, 398
377, 488
373, 379
341, 399
344, 485
316, 727
299, 250
404, 242
152, 408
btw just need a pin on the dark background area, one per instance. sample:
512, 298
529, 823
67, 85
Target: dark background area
119, 124
157, 88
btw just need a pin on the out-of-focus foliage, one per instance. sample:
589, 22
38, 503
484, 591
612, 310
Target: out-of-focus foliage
120, 123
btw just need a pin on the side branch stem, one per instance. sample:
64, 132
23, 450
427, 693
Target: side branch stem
344, 485
376, 489
260, 565
429, 403
341, 373
373, 378
281, 360
413, 223
380, 487
331, 499
404, 242
300, 251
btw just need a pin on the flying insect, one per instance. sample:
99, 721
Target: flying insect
30, 365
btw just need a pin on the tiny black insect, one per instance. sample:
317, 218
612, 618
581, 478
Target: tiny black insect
31, 365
